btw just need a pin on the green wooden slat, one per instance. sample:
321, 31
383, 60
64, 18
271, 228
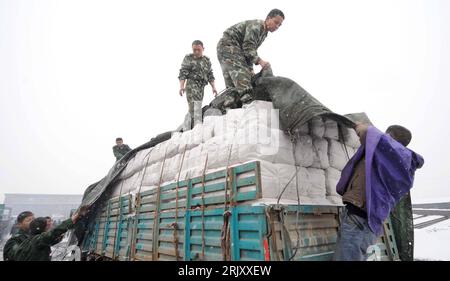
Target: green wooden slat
213, 212
209, 200
248, 226
209, 177
245, 196
208, 188
174, 186
148, 192
246, 181
168, 196
209, 225
245, 167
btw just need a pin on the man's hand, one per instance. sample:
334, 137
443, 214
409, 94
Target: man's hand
264, 64
214, 92
182, 90
361, 130
80, 213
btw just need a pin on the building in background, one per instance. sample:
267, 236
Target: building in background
57, 206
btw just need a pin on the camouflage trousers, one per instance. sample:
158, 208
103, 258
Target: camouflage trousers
236, 71
194, 96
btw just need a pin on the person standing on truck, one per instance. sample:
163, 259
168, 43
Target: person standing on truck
237, 53
23, 223
196, 69
37, 246
371, 184
120, 149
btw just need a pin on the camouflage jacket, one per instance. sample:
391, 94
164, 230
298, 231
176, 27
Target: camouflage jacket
12, 245
120, 151
196, 69
37, 247
248, 35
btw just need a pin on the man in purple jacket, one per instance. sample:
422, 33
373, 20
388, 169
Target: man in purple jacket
371, 184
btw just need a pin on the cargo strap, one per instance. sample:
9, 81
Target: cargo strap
138, 208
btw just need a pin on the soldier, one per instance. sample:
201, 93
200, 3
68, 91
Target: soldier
237, 53
196, 69
120, 149
23, 222
37, 246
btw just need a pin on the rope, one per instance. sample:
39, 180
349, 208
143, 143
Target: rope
293, 139
138, 204
117, 220
341, 136
203, 207
298, 207
225, 242
225, 239
175, 231
272, 233
155, 215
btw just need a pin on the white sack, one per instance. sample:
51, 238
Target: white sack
304, 155
317, 127
320, 154
331, 130
337, 154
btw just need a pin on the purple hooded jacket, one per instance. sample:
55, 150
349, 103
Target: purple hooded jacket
390, 169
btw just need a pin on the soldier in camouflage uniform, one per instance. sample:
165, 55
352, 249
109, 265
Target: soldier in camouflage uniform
37, 246
196, 69
12, 245
120, 149
237, 53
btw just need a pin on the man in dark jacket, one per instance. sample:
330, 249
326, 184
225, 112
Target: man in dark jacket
37, 246
23, 223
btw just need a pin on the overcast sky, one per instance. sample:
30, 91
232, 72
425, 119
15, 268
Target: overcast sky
74, 75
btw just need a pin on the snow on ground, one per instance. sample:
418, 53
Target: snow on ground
430, 200
430, 209
427, 218
433, 242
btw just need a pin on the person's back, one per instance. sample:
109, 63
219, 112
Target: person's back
236, 34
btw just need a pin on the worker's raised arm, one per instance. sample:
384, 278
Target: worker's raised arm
52, 237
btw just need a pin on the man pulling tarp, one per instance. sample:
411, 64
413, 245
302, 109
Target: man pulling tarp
237, 53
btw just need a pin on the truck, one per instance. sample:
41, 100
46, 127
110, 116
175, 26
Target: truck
217, 217
219, 204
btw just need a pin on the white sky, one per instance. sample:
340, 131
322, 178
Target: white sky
74, 75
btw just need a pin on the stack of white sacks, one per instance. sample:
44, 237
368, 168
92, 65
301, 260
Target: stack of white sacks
248, 134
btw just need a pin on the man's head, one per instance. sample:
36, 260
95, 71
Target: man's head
197, 48
119, 141
49, 222
274, 20
400, 134
24, 219
38, 226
